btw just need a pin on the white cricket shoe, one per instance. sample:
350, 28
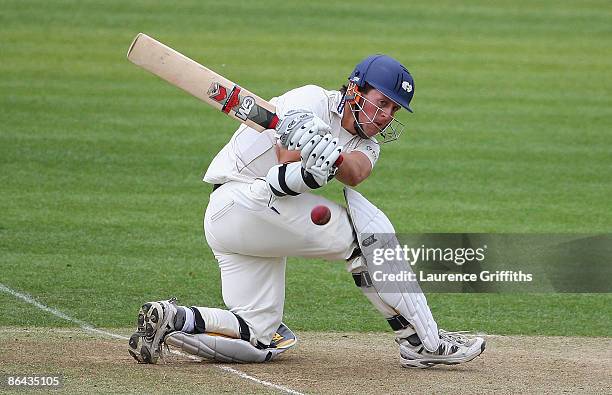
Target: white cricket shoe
454, 348
155, 321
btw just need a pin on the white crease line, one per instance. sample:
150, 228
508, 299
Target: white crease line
87, 327
27, 298
246, 376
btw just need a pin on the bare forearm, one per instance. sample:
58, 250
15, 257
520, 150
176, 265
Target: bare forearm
285, 156
355, 168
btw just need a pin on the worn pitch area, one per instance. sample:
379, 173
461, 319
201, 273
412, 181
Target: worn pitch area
321, 363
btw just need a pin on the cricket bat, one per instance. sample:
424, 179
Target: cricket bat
203, 83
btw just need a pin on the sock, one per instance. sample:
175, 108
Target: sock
217, 321
406, 332
184, 319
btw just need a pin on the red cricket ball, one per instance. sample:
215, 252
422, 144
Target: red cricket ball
320, 215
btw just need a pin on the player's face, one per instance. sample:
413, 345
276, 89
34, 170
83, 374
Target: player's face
377, 112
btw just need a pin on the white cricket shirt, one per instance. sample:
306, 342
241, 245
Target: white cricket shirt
250, 154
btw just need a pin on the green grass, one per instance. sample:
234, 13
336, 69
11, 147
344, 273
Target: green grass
100, 196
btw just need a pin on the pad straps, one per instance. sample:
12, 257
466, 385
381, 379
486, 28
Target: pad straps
245, 332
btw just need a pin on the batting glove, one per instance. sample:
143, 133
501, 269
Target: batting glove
297, 127
292, 178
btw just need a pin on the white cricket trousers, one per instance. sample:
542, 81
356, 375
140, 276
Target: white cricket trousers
251, 232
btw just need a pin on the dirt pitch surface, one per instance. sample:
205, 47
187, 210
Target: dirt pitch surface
321, 363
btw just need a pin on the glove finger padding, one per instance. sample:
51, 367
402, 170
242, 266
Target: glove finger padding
298, 127
292, 122
303, 137
330, 163
305, 131
325, 171
317, 151
310, 145
314, 127
327, 152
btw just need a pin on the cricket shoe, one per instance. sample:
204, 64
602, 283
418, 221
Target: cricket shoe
454, 348
155, 321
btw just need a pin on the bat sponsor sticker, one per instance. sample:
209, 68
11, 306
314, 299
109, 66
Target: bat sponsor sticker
245, 108
217, 92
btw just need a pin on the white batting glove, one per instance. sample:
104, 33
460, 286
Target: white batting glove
318, 149
297, 127
293, 178
319, 157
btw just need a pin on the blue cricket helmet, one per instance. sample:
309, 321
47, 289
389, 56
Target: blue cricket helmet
388, 76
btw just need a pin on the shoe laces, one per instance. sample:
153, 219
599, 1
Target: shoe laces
164, 351
458, 337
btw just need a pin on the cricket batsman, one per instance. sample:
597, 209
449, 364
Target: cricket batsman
259, 214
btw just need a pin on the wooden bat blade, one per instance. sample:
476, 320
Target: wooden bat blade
201, 82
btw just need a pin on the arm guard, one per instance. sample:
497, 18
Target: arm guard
290, 179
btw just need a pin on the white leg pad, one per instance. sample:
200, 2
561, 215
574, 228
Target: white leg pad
226, 349
374, 230
219, 348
